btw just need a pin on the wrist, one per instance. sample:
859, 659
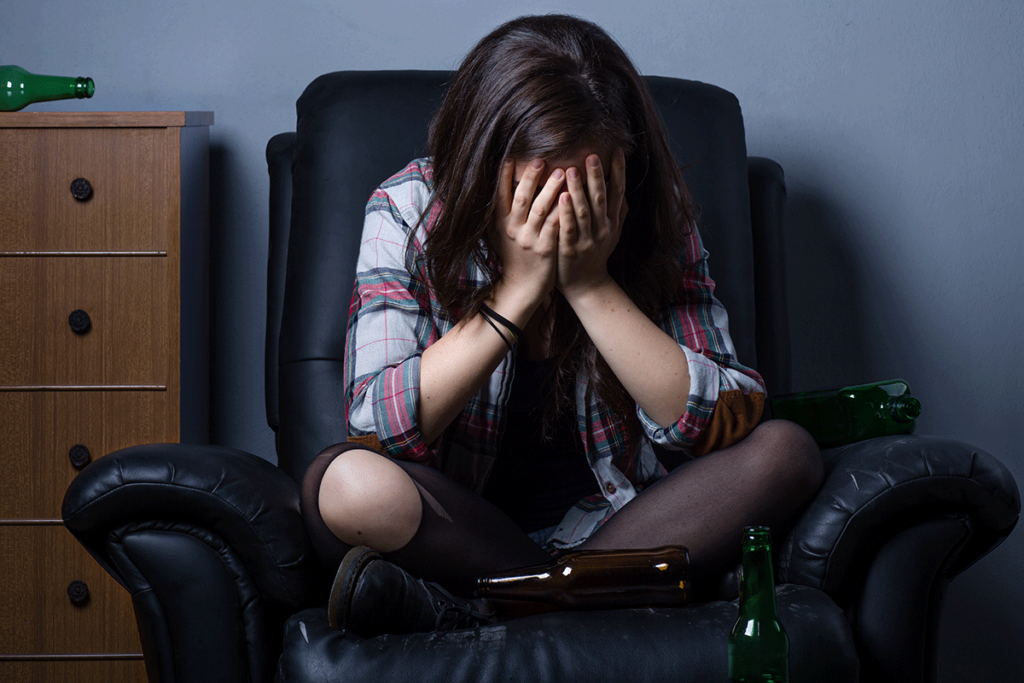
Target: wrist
512, 303
597, 293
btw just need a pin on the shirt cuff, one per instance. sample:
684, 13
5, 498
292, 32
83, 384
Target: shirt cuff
395, 398
720, 411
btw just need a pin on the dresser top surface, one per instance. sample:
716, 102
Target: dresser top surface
105, 119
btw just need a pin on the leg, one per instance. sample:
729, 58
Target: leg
415, 516
704, 504
367, 499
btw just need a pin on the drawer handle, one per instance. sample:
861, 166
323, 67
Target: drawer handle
78, 592
81, 189
79, 321
79, 456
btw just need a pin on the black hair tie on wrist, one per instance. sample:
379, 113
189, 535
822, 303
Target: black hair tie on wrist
503, 337
511, 327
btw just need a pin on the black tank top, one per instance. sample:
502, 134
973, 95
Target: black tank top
535, 481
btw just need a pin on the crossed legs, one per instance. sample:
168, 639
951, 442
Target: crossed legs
440, 531
415, 516
704, 504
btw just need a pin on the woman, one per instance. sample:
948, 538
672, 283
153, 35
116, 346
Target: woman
532, 314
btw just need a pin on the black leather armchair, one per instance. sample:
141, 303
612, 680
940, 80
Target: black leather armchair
227, 588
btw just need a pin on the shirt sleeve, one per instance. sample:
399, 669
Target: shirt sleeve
389, 324
726, 398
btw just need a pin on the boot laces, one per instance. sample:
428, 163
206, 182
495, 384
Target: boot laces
455, 613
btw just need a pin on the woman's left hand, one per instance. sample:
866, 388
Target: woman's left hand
590, 223
648, 362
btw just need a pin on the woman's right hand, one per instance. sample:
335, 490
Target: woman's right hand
527, 236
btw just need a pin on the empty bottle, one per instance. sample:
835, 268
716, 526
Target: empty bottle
19, 88
835, 417
598, 579
758, 644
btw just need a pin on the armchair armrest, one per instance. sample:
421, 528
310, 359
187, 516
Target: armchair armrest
245, 500
211, 545
878, 488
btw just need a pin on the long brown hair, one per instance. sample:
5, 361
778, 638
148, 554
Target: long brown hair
538, 87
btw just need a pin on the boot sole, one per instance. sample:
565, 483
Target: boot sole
338, 605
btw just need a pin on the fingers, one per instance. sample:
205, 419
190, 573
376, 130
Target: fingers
508, 168
547, 239
617, 188
595, 185
530, 206
522, 199
568, 230
545, 201
578, 208
580, 204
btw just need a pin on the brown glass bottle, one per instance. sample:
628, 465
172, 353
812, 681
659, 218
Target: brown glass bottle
599, 579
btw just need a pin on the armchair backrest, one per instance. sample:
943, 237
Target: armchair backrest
356, 129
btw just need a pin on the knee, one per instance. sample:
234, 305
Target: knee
367, 499
793, 456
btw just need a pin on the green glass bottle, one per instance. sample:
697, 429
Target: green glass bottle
835, 417
19, 88
758, 645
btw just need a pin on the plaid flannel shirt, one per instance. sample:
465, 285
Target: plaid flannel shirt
394, 317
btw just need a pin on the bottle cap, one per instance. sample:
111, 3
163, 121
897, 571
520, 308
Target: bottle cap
757, 537
905, 408
84, 87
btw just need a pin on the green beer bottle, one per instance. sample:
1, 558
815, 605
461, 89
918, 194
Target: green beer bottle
19, 88
758, 645
835, 417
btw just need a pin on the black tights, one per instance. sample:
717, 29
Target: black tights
461, 535
703, 504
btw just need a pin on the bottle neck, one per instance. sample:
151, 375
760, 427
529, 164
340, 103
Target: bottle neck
904, 408
757, 585
37, 88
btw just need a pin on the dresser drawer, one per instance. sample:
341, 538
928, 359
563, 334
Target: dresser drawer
41, 430
132, 173
38, 563
126, 341
74, 671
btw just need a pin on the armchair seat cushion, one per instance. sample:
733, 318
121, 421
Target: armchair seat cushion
649, 645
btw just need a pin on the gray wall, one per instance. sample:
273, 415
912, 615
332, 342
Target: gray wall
898, 124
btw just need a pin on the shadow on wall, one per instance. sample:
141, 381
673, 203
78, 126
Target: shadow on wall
982, 640
238, 258
220, 209
826, 313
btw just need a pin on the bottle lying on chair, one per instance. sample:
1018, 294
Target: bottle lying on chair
599, 579
835, 417
758, 645
19, 88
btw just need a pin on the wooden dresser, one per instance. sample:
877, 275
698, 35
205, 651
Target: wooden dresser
103, 344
